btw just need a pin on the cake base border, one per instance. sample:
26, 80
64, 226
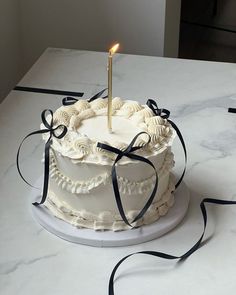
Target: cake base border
93, 238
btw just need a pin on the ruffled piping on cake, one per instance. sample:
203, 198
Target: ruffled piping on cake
126, 186
106, 220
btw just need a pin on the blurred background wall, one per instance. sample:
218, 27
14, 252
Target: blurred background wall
208, 30
171, 28
9, 45
94, 25
28, 27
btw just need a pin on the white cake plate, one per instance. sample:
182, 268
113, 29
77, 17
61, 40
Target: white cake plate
90, 237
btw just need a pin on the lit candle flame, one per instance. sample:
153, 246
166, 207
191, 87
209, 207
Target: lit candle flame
109, 106
114, 49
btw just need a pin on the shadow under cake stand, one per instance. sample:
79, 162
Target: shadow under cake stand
90, 237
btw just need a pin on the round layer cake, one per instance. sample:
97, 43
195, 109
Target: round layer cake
80, 187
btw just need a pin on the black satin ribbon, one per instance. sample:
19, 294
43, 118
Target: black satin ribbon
194, 248
68, 100
58, 132
48, 91
169, 256
232, 110
99, 94
71, 100
164, 113
128, 152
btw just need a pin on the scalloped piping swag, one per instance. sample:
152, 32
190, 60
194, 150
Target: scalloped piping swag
106, 220
126, 186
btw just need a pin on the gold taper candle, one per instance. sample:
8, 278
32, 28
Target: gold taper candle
109, 68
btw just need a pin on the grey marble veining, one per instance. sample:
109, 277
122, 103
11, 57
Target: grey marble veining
216, 102
198, 94
10, 267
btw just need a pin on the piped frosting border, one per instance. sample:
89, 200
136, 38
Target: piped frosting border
81, 148
107, 220
126, 186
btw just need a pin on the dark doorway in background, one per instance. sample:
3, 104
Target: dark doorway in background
208, 30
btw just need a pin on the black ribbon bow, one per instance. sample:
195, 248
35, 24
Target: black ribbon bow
58, 132
196, 246
128, 152
66, 101
164, 113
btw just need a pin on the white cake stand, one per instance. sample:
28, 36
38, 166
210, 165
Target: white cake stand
90, 237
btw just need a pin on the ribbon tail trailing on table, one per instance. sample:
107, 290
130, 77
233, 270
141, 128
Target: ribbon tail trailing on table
169, 256
58, 132
204, 215
128, 152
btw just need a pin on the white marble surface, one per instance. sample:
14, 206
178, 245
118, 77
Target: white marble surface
32, 261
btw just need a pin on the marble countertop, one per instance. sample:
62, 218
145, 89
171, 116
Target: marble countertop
198, 94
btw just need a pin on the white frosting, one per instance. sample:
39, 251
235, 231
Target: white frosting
126, 186
80, 186
106, 220
89, 120
96, 129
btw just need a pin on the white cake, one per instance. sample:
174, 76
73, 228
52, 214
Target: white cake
80, 188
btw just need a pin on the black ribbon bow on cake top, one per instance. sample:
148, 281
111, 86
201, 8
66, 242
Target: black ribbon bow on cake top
128, 152
205, 201
58, 132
